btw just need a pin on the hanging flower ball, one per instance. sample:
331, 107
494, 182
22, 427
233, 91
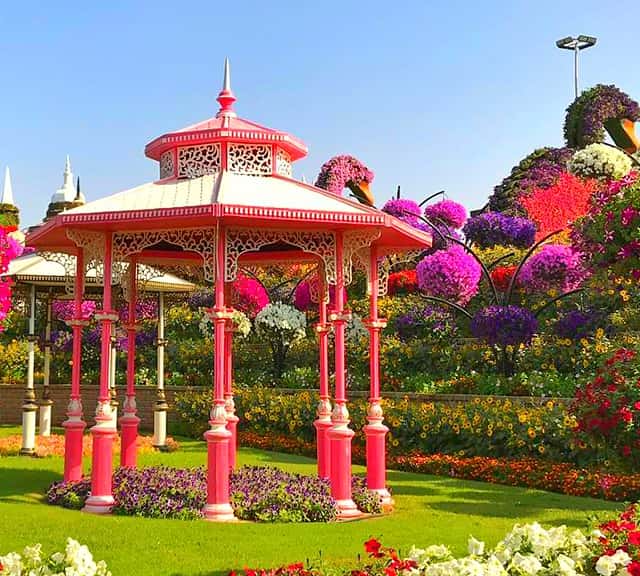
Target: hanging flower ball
449, 212
496, 229
282, 321
600, 161
302, 295
553, 267
501, 277
452, 274
346, 172
248, 295
504, 325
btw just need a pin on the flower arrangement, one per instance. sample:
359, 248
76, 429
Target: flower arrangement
257, 493
607, 409
76, 560
342, 172
553, 267
9, 249
302, 294
502, 276
146, 309
504, 325
601, 162
494, 228
403, 282
451, 213
586, 116
540, 169
557, 206
406, 210
452, 274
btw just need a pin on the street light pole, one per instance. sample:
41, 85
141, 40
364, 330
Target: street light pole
576, 44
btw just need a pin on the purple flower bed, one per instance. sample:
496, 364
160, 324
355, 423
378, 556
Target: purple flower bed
504, 325
425, 322
448, 211
496, 229
579, 324
554, 267
257, 493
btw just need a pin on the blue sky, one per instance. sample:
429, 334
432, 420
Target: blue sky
430, 95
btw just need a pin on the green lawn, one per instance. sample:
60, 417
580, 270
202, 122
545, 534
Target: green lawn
429, 510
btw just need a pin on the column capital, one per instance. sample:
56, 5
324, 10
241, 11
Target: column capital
81, 322
219, 313
376, 324
106, 315
322, 328
344, 316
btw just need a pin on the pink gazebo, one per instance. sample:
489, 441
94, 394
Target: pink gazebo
225, 199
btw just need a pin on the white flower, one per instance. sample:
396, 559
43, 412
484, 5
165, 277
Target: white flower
282, 320
600, 161
608, 565
475, 547
355, 329
526, 563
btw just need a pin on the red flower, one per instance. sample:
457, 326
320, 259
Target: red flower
634, 538
626, 451
372, 547
634, 568
402, 282
502, 275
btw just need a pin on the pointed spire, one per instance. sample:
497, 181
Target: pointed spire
226, 97
66, 193
79, 199
7, 191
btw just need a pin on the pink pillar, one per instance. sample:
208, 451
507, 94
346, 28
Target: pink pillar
323, 422
130, 421
340, 434
74, 425
375, 431
103, 432
218, 507
229, 404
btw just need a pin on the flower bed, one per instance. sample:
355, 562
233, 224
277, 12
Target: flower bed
257, 493
54, 445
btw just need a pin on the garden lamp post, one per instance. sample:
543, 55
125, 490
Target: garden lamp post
582, 42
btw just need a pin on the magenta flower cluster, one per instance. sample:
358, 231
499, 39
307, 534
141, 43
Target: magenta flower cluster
302, 294
451, 213
453, 274
553, 267
408, 211
497, 229
338, 172
66, 309
504, 325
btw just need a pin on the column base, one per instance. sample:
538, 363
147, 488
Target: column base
322, 426
347, 510
232, 426
99, 505
219, 513
128, 440
73, 449
160, 429
28, 430
45, 418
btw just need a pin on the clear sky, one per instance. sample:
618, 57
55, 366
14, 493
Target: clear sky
430, 95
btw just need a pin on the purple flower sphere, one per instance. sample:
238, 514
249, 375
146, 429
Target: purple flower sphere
504, 325
554, 267
496, 229
452, 274
449, 212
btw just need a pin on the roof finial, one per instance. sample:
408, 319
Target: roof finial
79, 195
7, 191
226, 97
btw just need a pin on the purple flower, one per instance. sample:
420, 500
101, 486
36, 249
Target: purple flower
449, 212
504, 325
496, 229
579, 324
341, 172
452, 274
408, 211
554, 267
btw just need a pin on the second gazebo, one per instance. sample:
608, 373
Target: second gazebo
226, 195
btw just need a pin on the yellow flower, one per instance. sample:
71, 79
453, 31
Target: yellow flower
531, 433
625, 295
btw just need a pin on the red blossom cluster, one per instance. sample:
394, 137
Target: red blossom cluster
501, 277
403, 282
623, 534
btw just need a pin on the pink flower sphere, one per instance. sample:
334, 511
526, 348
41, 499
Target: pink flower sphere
453, 274
302, 294
447, 211
249, 295
554, 267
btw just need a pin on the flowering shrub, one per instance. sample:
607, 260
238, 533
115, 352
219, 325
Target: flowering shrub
302, 294
501, 277
607, 409
609, 235
423, 321
451, 213
557, 206
453, 274
402, 282
493, 228
257, 493
586, 116
76, 560
248, 295
146, 309
540, 169
342, 172
9, 249
504, 325
553, 267
600, 161
578, 324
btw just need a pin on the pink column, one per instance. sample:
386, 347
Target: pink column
323, 422
74, 425
103, 432
340, 434
130, 421
375, 430
229, 404
218, 507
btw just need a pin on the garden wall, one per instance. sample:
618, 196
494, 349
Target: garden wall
11, 401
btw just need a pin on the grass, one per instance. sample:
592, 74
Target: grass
429, 510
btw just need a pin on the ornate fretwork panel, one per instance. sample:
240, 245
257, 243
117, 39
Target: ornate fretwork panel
167, 167
354, 243
388, 262
93, 245
68, 262
249, 159
242, 240
283, 163
196, 161
202, 241
144, 275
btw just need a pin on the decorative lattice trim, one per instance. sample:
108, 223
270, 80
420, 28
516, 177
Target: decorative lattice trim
167, 165
249, 159
202, 241
283, 163
196, 161
355, 242
242, 240
93, 245
68, 262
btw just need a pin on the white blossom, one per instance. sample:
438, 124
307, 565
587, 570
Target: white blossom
600, 161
